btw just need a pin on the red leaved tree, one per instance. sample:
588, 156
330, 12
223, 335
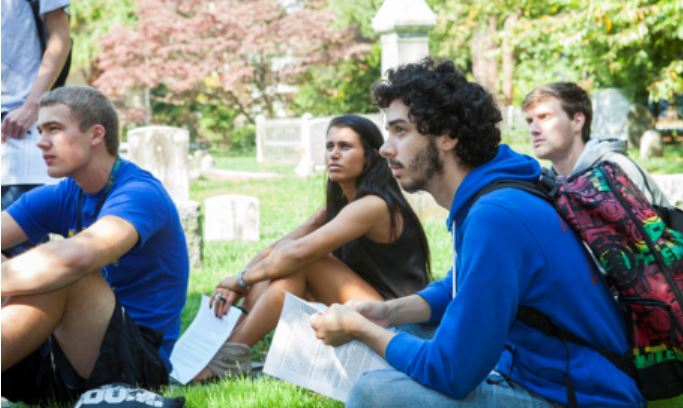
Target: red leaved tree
246, 53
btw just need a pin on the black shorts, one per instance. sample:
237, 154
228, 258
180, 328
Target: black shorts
129, 354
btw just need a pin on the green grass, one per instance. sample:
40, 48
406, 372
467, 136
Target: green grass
670, 162
246, 162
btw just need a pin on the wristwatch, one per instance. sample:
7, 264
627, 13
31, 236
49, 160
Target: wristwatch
241, 281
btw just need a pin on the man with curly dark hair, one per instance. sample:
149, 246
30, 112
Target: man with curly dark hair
512, 249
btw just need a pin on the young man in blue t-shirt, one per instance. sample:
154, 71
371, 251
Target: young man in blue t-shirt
512, 250
102, 305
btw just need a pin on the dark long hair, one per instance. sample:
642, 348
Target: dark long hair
376, 179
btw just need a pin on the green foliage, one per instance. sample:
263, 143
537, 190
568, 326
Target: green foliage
215, 124
344, 88
334, 89
91, 19
634, 45
243, 138
358, 13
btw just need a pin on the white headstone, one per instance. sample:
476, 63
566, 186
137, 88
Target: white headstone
163, 151
639, 120
610, 110
189, 218
651, 145
231, 217
672, 187
306, 166
207, 163
403, 25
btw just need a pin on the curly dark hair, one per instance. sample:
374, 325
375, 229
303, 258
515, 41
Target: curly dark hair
440, 99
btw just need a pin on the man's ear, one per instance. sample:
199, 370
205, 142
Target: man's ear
445, 142
578, 122
98, 133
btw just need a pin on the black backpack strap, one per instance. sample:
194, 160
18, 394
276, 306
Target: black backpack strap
40, 30
539, 321
533, 187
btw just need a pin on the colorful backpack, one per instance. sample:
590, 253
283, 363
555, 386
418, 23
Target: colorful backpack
640, 256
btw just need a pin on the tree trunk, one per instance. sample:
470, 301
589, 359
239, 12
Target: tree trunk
508, 58
484, 63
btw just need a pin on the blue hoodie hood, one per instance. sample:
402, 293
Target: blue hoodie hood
507, 165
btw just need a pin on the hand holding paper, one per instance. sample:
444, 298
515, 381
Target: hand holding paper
201, 341
337, 325
297, 356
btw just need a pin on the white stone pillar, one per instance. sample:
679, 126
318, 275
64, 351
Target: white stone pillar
403, 25
260, 130
305, 168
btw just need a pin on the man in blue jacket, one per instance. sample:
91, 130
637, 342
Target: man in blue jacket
512, 250
102, 305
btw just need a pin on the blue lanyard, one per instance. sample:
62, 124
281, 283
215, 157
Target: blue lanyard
110, 182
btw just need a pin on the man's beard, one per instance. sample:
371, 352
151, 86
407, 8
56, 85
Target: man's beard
424, 166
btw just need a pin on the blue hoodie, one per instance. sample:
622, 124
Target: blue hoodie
513, 249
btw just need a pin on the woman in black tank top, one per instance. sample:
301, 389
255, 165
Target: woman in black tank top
366, 244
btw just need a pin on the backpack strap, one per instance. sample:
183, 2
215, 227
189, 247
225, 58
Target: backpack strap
532, 187
40, 30
539, 321
546, 188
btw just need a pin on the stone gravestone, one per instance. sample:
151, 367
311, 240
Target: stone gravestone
231, 217
610, 109
614, 117
639, 120
163, 151
672, 187
318, 129
651, 145
189, 218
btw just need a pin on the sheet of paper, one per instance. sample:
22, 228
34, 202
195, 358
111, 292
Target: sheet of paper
200, 342
297, 356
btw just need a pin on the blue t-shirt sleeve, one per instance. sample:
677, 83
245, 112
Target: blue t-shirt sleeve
495, 267
137, 204
42, 211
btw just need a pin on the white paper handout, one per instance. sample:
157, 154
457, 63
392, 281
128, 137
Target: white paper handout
200, 342
297, 356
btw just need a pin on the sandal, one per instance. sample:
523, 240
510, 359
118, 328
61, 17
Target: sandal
232, 359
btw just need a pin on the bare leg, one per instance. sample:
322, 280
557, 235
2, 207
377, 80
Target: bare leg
327, 280
78, 316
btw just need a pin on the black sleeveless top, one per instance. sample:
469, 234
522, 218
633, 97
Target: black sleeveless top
395, 269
